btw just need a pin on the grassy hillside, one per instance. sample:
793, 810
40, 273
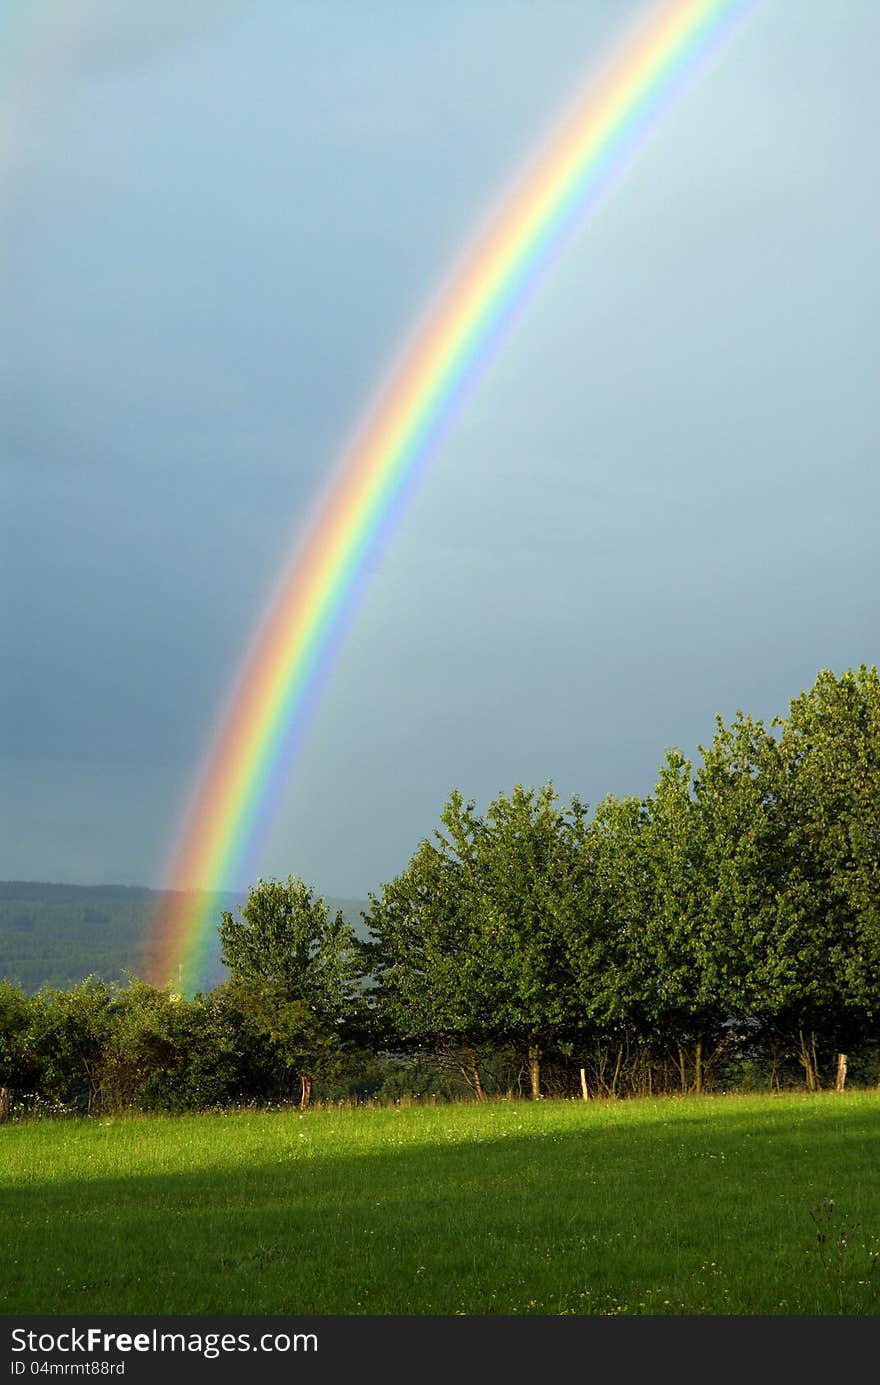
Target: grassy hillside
56, 935
726, 1205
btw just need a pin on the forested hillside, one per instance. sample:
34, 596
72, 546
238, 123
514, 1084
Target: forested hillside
56, 935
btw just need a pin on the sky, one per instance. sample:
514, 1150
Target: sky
219, 219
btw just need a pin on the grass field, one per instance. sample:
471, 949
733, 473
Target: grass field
725, 1205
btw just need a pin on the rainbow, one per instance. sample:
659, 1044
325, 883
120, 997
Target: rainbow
278, 681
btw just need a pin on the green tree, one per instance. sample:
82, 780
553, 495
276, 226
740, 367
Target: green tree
828, 786
475, 941
424, 941
18, 1066
612, 908
758, 960
676, 953
71, 1031
766, 868
666, 870
296, 968
166, 1053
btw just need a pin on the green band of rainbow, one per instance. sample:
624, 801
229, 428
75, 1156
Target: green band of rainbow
281, 672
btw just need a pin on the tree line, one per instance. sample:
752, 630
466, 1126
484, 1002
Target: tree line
723, 931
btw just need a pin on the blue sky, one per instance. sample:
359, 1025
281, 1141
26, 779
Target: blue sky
217, 223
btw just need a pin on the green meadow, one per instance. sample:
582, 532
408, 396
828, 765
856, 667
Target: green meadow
712, 1205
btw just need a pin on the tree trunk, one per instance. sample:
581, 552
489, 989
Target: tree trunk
471, 1073
840, 1082
585, 1091
698, 1067
682, 1070
306, 1079
476, 1080
93, 1079
535, 1071
617, 1066
807, 1060
5, 1104
601, 1059
640, 1073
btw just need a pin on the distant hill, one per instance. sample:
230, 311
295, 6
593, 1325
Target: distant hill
55, 935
